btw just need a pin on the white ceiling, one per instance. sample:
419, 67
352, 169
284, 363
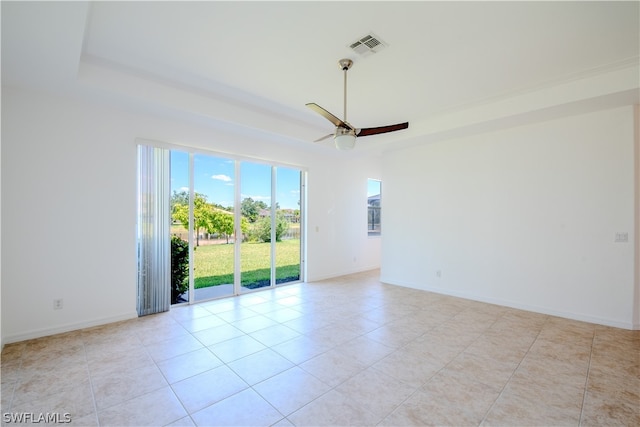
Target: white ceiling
256, 64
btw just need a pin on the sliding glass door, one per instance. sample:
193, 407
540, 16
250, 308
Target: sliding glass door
235, 226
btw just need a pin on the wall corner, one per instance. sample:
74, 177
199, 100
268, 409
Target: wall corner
636, 260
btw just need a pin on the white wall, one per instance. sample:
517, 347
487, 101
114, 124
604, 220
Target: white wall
336, 233
525, 217
69, 207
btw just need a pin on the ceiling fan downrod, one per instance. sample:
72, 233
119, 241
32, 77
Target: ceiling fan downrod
344, 65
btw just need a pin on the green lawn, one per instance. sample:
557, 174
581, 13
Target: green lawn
214, 263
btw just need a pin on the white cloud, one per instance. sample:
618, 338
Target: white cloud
221, 177
256, 198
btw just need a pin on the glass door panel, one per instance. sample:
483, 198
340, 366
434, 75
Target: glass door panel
287, 245
179, 227
255, 251
213, 216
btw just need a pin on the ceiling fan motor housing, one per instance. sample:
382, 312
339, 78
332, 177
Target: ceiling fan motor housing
345, 64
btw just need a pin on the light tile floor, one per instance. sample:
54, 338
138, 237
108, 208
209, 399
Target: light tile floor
346, 351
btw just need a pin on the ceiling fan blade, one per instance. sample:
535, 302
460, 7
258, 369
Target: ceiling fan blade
382, 129
323, 138
327, 115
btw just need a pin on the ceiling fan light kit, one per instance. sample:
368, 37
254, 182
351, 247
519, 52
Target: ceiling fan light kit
344, 139
345, 134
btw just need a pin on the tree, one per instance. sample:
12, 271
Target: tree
244, 225
222, 222
263, 227
212, 217
201, 213
179, 198
251, 208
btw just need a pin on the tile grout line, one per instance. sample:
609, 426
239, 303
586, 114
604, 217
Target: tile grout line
14, 386
93, 394
586, 380
477, 339
170, 385
298, 365
435, 373
226, 364
514, 372
167, 380
333, 388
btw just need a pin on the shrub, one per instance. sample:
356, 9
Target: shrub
179, 268
262, 228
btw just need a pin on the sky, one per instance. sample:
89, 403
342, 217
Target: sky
215, 178
374, 187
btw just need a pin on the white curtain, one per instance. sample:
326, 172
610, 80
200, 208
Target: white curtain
154, 227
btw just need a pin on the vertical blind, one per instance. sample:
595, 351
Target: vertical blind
153, 230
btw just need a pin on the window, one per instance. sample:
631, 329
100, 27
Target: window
374, 202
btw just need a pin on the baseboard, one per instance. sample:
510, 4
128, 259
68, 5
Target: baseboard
344, 273
43, 332
517, 305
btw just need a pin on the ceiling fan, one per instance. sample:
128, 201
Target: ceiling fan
345, 134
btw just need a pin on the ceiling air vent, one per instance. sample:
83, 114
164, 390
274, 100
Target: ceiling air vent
368, 45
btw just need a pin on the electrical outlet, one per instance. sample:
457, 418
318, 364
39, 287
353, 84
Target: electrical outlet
439, 274
57, 304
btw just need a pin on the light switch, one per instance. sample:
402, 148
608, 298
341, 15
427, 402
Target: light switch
622, 237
